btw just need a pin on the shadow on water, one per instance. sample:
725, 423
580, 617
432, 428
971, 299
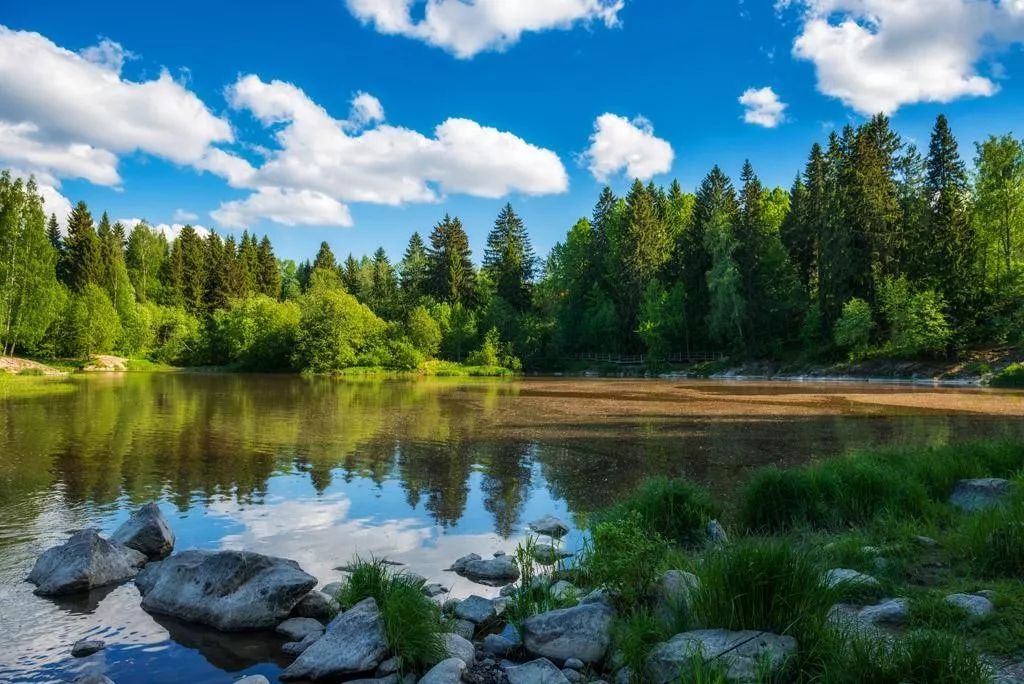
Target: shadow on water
319, 470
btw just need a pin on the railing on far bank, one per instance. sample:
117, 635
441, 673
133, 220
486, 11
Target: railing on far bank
640, 359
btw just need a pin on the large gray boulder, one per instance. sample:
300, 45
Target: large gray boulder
84, 562
147, 532
355, 642
975, 495
498, 570
742, 655
974, 605
581, 632
447, 671
540, 671
228, 590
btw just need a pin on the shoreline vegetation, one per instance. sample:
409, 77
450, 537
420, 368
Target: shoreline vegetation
878, 256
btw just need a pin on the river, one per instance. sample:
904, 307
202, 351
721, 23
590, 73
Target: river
421, 472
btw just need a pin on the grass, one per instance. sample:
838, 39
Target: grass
920, 657
625, 557
31, 385
532, 597
993, 540
1011, 376
675, 509
853, 490
412, 621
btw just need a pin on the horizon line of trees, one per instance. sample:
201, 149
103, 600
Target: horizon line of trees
875, 249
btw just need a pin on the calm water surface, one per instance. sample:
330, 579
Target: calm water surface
421, 472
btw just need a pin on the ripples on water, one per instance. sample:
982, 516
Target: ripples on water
318, 471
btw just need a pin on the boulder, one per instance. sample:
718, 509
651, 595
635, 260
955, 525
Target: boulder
298, 628
86, 647
392, 665
974, 605
475, 609
549, 554
84, 562
540, 671
464, 628
741, 654
888, 612
849, 578
497, 570
975, 495
147, 532
572, 675
574, 664
227, 590
676, 587
499, 646
456, 646
716, 533
445, 672
550, 526
316, 605
354, 642
294, 648
581, 632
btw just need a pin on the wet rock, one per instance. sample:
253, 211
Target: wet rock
316, 605
445, 672
581, 632
742, 654
228, 590
716, 533
549, 554
476, 609
975, 495
294, 648
86, 647
500, 569
849, 578
974, 605
540, 671
297, 628
355, 642
550, 526
146, 531
456, 646
84, 562
434, 589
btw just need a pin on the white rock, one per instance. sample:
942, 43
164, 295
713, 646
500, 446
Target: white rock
975, 606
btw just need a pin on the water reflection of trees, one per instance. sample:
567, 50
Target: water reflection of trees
191, 438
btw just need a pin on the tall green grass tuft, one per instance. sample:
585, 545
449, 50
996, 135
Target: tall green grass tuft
413, 621
854, 489
993, 540
768, 585
920, 657
676, 509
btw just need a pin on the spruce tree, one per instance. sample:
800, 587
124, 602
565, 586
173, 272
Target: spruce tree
218, 294
383, 287
509, 260
268, 272
451, 277
81, 250
53, 233
325, 259
414, 270
715, 204
193, 264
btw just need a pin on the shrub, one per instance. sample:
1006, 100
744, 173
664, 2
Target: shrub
625, 556
258, 333
1011, 376
917, 321
921, 657
335, 331
176, 338
488, 354
853, 329
775, 500
90, 324
412, 621
675, 509
424, 331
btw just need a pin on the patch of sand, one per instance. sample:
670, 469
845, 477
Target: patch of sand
12, 364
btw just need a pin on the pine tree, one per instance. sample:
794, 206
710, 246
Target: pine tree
218, 294
352, 278
414, 271
53, 233
268, 273
715, 206
839, 269
384, 286
800, 242
81, 250
193, 263
451, 277
509, 260
325, 259
873, 205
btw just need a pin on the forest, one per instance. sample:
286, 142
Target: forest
876, 250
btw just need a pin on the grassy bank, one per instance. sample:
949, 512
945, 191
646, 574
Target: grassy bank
17, 386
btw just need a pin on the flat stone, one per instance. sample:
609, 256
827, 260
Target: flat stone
976, 495
850, 578
927, 542
146, 531
298, 628
86, 647
500, 569
476, 609
332, 589
227, 590
581, 632
975, 606
540, 671
742, 654
550, 526
890, 612
355, 642
445, 672
316, 605
294, 648
434, 589
459, 647
84, 562
392, 665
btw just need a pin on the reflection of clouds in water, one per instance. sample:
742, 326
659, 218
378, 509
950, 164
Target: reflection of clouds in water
318, 534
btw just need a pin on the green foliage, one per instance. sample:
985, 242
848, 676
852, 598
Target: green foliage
625, 557
916, 319
636, 632
335, 331
258, 333
488, 353
920, 657
176, 336
412, 621
674, 509
993, 540
853, 329
90, 324
1011, 376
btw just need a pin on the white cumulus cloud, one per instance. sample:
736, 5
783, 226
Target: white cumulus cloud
878, 55
168, 230
288, 207
762, 107
467, 27
620, 144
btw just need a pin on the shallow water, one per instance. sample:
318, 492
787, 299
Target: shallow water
419, 471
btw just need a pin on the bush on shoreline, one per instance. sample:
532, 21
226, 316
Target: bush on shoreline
675, 509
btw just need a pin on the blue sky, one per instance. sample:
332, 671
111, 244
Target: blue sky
253, 124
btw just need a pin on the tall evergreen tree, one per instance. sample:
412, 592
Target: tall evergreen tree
414, 270
218, 292
451, 277
53, 233
715, 206
325, 259
193, 263
268, 272
383, 287
81, 250
509, 260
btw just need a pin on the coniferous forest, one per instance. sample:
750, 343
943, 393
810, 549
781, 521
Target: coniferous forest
877, 249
